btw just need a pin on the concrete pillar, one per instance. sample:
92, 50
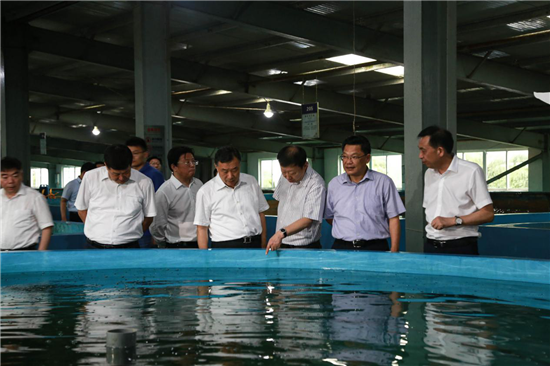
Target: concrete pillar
15, 102
430, 95
152, 77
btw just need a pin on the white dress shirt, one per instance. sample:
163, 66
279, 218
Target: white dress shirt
175, 211
298, 200
460, 191
115, 211
231, 213
22, 218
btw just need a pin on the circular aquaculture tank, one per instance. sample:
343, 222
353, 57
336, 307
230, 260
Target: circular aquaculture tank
295, 307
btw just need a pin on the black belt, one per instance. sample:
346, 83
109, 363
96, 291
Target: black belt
183, 244
361, 243
244, 240
30, 247
95, 244
454, 243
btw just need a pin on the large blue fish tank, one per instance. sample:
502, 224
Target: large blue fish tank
291, 307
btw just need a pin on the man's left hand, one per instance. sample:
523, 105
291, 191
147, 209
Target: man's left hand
275, 242
442, 222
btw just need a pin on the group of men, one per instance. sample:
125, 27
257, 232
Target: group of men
118, 203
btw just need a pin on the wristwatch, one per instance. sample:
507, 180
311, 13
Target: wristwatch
284, 232
458, 221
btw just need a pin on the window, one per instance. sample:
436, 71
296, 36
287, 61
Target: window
386, 164
69, 173
39, 176
270, 172
497, 162
389, 165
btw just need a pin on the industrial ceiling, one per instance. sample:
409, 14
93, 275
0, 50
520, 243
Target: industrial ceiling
228, 59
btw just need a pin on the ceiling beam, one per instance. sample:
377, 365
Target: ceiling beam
35, 10
223, 79
311, 28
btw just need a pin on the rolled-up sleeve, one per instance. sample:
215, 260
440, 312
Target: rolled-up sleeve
149, 209
314, 204
42, 213
202, 209
394, 204
262, 202
329, 206
479, 193
83, 196
158, 227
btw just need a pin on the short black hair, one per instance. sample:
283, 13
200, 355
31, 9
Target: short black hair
176, 152
137, 141
358, 140
154, 157
439, 137
87, 166
9, 163
118, 157
292, 155
225, 154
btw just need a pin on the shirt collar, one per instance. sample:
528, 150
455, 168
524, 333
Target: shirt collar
220, 184
104, 174
368, 175
177, 184
21, 192
453, 167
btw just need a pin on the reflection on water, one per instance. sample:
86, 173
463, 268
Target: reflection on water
248, 317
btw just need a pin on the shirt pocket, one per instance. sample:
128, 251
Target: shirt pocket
373, 206
132, 205
23, 218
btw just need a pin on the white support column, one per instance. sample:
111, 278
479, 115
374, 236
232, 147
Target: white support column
152, 76
430, 95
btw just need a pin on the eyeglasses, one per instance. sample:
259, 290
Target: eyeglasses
190, 162
353, 158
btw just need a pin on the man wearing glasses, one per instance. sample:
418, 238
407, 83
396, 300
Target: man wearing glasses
173, 226
140, 153
363, 206
116, 203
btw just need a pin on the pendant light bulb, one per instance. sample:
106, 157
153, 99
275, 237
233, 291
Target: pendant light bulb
96, 131
268, 112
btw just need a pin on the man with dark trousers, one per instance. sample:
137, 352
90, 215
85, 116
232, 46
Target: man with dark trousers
363, 206
456, 198
231, 206
115, 202
25, 219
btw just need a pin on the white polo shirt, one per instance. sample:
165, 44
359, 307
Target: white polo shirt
460, 191
230, 213
22, 218
298, 200
115, 211
175, 211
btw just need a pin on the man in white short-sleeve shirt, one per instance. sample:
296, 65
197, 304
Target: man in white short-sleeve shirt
173, 226
456, 198
231, 206
116, 203
301, 193
25, 218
